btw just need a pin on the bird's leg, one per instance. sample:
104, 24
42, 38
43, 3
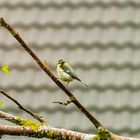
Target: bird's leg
67, 84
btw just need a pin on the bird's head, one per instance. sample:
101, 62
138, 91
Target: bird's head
61, 62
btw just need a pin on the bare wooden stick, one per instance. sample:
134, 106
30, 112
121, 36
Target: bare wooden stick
96, 123
39, 118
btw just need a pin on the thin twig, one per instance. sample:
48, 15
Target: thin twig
64, 103
96, 123
39, 118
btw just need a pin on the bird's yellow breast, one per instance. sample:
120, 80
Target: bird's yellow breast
62, 75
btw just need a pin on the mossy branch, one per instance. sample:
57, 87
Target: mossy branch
32, 129
18, 120
44, 132
54, 133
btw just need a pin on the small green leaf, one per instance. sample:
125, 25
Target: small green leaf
5, 69
46, 64
1, 104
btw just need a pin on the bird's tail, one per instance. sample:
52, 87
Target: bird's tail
83, 83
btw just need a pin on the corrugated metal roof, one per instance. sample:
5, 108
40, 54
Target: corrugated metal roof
99, 38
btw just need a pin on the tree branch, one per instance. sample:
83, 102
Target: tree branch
44, 132
34, 115
19, 120
53, 133
96, 123
9, 117
31, 129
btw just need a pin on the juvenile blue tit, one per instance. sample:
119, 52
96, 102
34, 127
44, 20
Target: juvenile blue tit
66, 73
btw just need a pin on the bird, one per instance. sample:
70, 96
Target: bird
66, 73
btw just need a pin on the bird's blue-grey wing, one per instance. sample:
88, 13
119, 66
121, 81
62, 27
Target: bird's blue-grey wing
68, 69
72, 74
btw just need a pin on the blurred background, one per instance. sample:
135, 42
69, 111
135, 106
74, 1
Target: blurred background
99, 38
